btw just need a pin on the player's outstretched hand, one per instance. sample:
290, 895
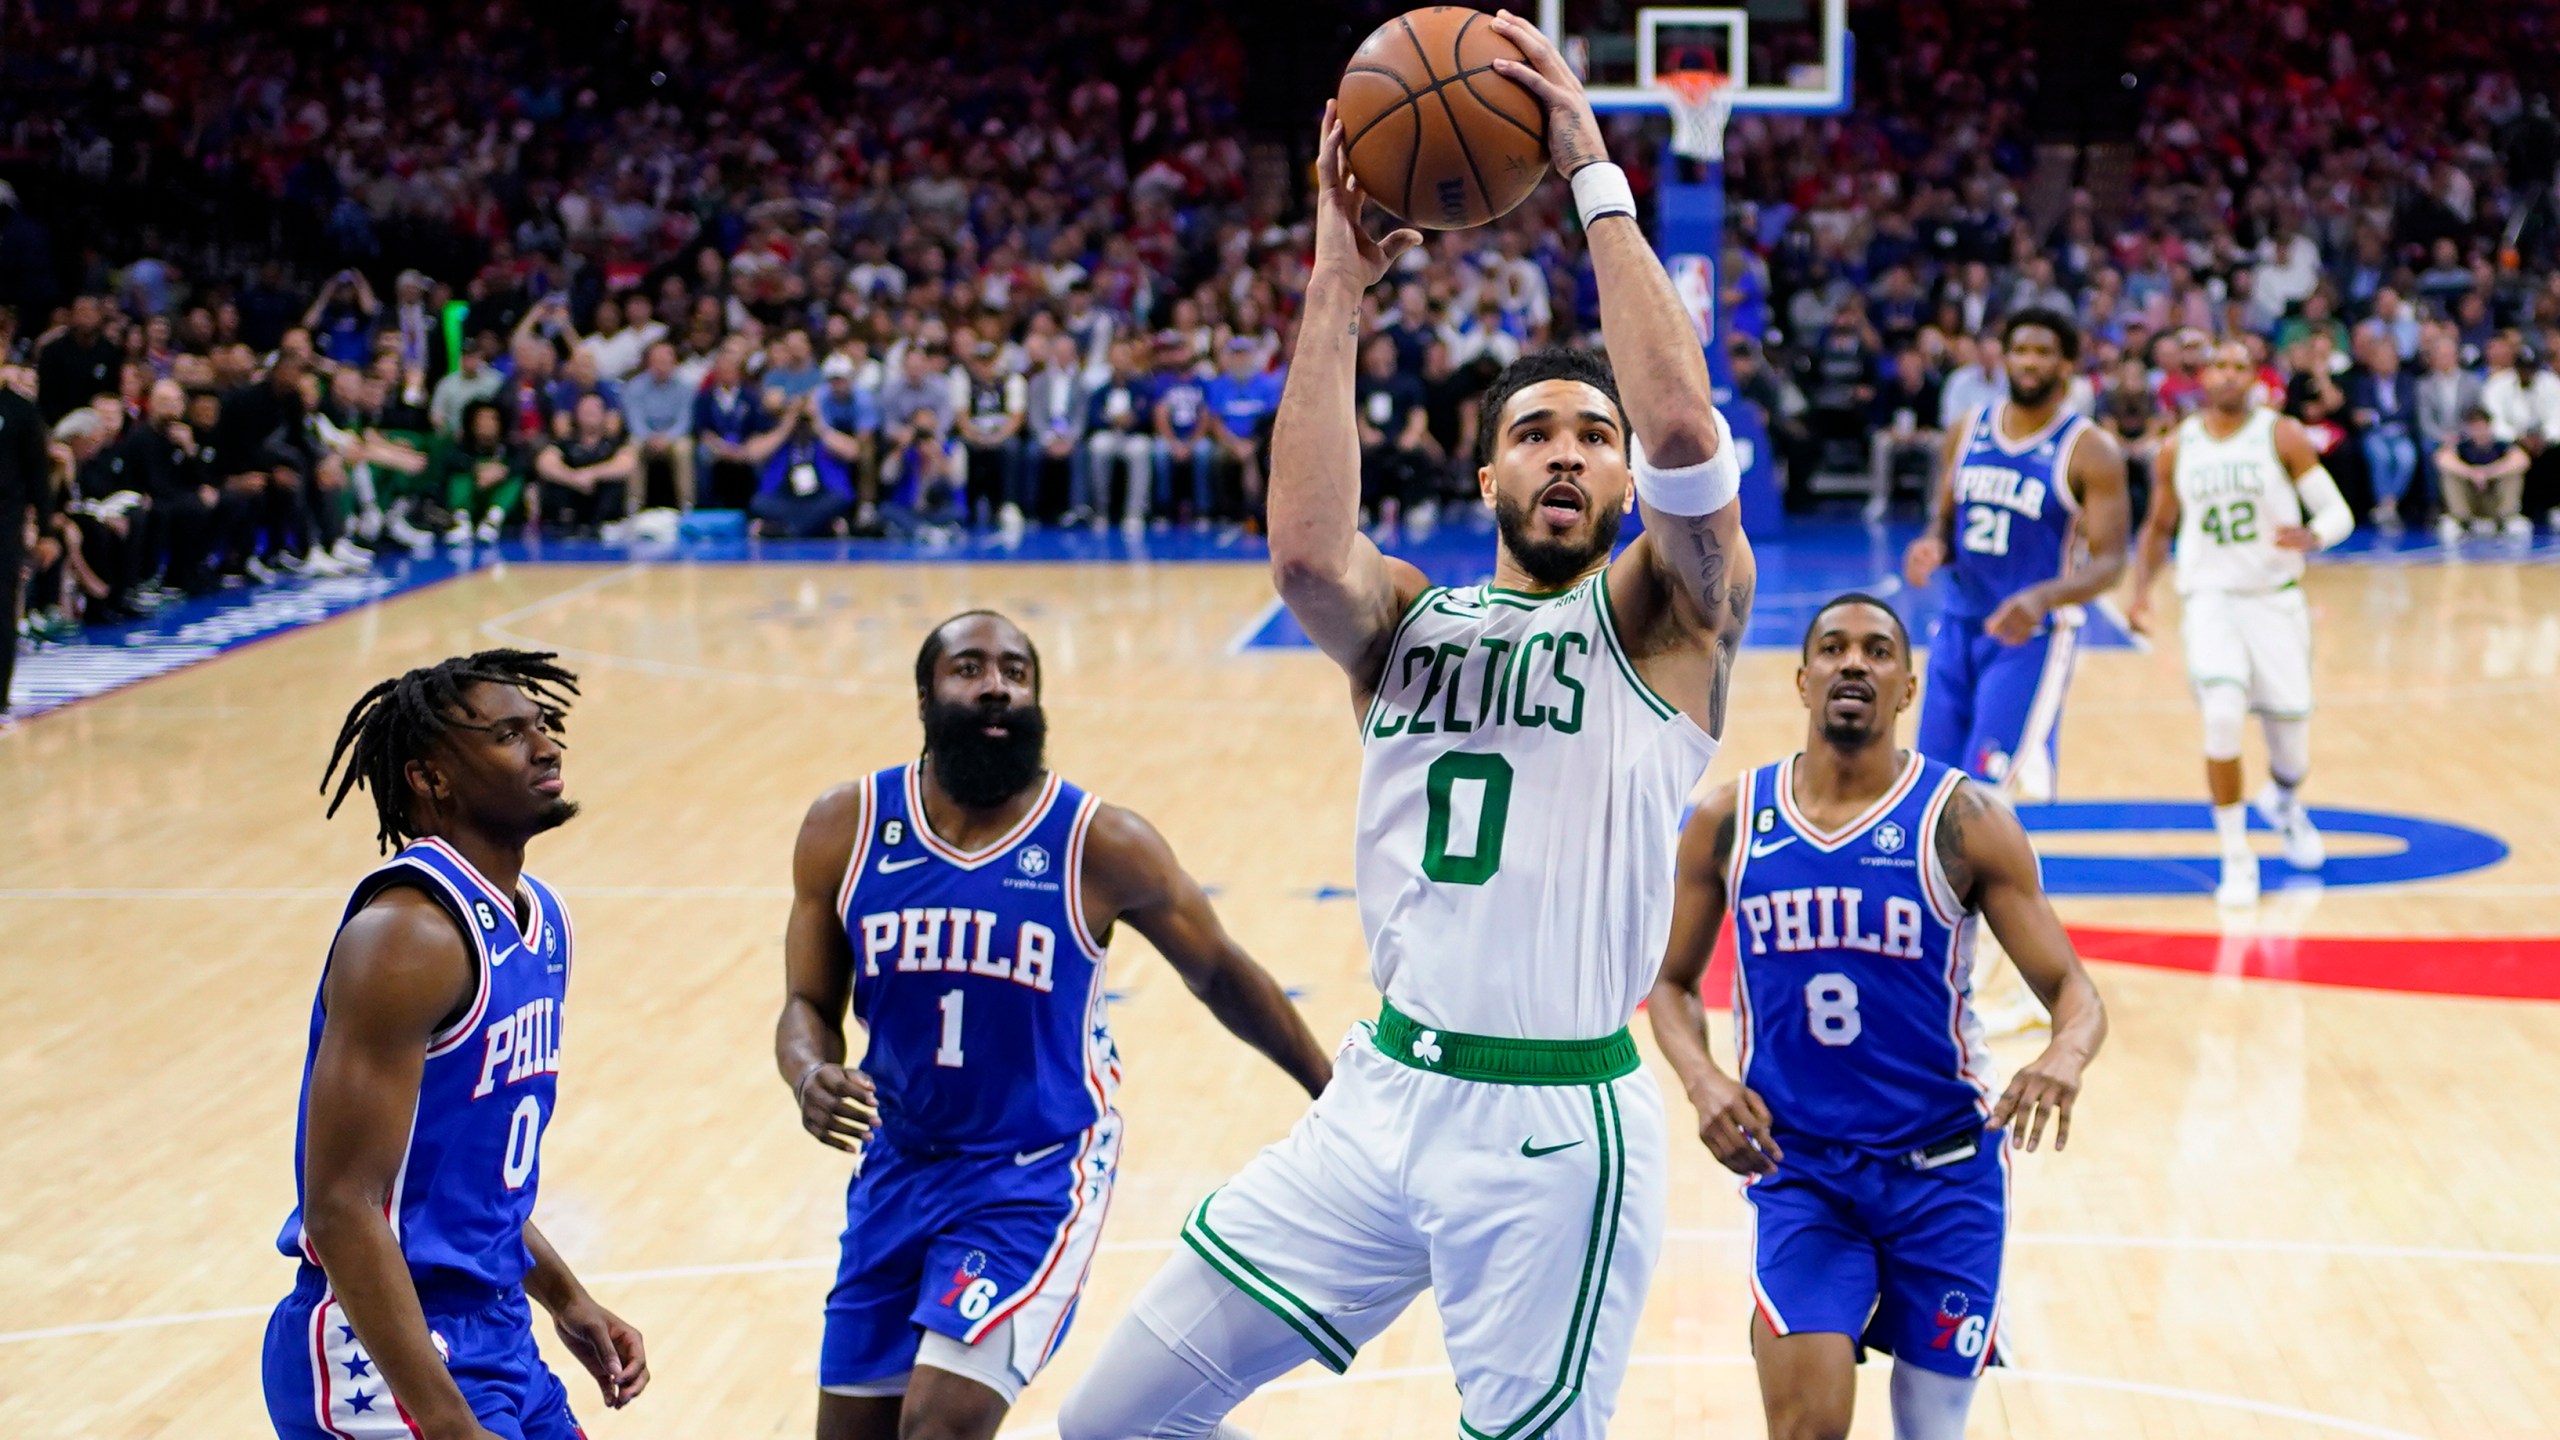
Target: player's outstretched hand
2044, 1090
839, 1106
2137, 615
1573, 131
1922, 560
1735, 1124
1341, 244
607, 1345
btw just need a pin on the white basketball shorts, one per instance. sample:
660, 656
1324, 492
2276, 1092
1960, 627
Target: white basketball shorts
2259, 642
1532, 1207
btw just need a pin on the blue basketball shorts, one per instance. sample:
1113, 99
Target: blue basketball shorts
1903, 1260
1994, 710
322, 1385
960, 1244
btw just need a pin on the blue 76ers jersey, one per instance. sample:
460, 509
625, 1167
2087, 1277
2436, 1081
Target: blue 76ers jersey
2015, 514
1852, 1001
466, 1187
975, 975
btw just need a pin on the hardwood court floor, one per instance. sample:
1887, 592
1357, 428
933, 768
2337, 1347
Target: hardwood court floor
2292, 1211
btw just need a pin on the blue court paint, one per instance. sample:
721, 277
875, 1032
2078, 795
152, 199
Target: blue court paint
1334, 892
1818, 558
2429, 849
192, 631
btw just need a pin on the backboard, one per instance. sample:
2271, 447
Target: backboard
1787, 55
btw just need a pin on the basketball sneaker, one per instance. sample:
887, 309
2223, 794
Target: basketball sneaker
2285, 814
2239, 887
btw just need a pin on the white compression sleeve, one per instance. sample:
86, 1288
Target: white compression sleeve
2288, 750
2226, 720
2324, 507
1700, 489
1928, 1405
1190, 1349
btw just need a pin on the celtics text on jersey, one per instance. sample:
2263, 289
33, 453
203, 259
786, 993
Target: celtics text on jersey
1521, 790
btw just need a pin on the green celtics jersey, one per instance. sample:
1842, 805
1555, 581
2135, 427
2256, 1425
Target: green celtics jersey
1521, 791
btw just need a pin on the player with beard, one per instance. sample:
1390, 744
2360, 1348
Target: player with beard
1528, 746
429, 1081
2029, 522
1874, 1159
2029, 525
962, 905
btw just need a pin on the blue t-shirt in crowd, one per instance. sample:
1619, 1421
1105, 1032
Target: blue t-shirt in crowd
784, 473
1242, 405
855, 412
1185, 403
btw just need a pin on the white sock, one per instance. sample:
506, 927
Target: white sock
2231, 823
1928, 1405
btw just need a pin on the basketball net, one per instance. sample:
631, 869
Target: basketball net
1701, 102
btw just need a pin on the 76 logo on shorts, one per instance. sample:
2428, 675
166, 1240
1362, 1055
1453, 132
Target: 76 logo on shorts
971, 1294
1958, 1330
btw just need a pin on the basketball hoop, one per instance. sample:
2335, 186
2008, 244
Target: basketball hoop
1701, 101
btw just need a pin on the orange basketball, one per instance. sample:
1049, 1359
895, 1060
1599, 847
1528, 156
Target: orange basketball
1435, 133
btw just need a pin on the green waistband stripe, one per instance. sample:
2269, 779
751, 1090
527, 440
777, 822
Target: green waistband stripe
1496, 1060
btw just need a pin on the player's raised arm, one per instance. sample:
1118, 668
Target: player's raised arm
1732, 1120
1688, 581
2330, 519
1131, 874
399, 972
836, 1102
2159, 528
1984, 852
1343, 591
2106, 514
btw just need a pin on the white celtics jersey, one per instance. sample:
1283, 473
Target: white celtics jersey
1521, 792
2233, 496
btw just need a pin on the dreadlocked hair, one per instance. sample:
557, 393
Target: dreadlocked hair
398, 720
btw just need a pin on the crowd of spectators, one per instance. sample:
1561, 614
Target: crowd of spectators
2359, 191
990, 269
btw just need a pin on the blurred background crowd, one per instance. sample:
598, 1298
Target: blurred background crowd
285, 284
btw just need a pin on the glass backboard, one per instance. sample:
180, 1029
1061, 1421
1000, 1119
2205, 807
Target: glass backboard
1788, 55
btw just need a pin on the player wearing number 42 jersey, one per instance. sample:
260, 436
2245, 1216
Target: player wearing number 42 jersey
1874, 1160
428, 1085
1526, 749
2246, 496
2028, 523
961, 904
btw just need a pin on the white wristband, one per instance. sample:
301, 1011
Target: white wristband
1700, 489
1600, 190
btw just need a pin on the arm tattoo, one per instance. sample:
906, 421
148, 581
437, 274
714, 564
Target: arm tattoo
1711, 564
1573, 149
1728, 647
1950, 842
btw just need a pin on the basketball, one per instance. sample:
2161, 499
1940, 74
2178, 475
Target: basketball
1435, 134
